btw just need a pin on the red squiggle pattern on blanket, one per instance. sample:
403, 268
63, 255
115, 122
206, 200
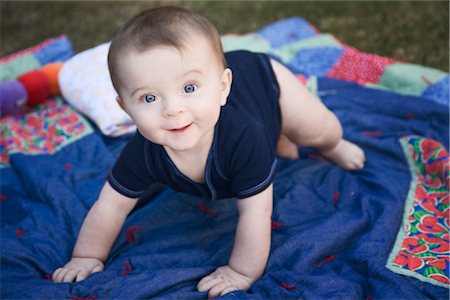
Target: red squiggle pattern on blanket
126, 268
425, 240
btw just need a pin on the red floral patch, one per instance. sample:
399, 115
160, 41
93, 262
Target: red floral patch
360, 67
423, 244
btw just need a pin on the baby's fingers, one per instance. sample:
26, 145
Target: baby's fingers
70, 275
58, 275
221, 289
206, 283
98, 268
229, 290
84, 273
217, 289
64, 275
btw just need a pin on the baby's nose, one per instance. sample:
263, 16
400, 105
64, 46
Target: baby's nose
172, 107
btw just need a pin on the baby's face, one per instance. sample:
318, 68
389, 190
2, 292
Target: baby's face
174, 96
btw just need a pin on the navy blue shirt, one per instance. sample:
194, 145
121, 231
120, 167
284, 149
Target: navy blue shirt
242, 160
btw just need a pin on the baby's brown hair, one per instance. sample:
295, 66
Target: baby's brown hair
167, 26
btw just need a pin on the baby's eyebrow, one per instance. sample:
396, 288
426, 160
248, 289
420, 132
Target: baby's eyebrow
137, 90
191, 72
187, 73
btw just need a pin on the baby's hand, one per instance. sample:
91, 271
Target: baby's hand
224, 280
77, 269
347, 155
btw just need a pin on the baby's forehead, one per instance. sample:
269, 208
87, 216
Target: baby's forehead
167, 64
189, 53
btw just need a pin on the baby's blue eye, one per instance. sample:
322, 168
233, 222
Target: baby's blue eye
149, 98
190, 88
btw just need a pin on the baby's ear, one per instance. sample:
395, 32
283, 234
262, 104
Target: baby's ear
227, 79
120, 102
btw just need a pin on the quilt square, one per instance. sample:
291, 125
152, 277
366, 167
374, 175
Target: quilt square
360, 67
316, 61
48, 128
287, 31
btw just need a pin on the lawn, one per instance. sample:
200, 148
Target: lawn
412, 31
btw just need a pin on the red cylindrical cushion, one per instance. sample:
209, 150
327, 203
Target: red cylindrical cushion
37, 86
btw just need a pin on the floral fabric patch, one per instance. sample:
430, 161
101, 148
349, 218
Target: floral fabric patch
422, 246
359, 67
47, 129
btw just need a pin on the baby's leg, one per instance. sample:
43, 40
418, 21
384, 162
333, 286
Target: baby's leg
286, 148
307, 122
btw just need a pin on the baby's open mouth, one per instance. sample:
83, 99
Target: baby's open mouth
181, 129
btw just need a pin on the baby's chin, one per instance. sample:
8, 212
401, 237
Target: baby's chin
177, 143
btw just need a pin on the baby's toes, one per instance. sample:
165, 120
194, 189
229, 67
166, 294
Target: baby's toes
355, 163
359, 161
352, 166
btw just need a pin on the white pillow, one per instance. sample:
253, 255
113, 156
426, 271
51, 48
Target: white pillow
85, 83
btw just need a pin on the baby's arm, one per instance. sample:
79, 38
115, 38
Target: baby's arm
97, 235
251, 248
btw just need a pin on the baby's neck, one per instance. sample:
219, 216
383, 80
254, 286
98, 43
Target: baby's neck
192, 163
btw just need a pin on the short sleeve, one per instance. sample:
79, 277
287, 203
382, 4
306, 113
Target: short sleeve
253, 163
129, 175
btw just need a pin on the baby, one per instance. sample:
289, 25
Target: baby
210, 124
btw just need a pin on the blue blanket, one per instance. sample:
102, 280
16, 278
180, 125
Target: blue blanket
332, 229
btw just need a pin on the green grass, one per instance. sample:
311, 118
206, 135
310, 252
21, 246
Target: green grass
416, 32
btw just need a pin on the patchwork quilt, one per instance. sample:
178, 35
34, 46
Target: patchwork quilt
380, 232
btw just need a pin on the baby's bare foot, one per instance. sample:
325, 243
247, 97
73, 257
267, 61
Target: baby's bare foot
347, 155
